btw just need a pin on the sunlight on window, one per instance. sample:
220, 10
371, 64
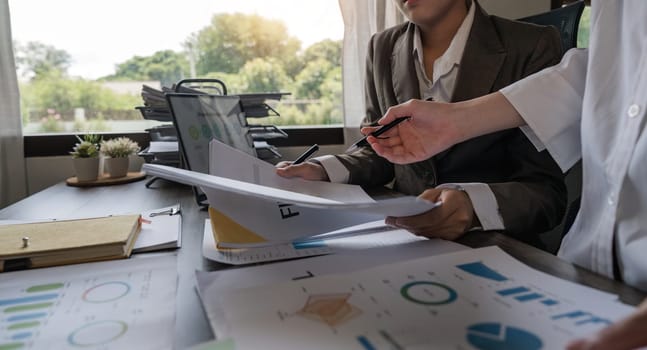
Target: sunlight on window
82, 64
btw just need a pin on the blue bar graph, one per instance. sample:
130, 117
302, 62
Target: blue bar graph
28, 299
549, 302
21, 336
529, 297
582, 317
481, 270
511, 291
524, 294
309, 244
365, 343
25, 317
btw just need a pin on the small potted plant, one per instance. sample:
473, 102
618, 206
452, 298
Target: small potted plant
116, 152
85, 155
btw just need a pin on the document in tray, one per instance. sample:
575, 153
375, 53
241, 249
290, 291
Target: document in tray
475, 299
252, 206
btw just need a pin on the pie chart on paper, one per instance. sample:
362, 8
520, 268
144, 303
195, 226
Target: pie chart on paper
495, 336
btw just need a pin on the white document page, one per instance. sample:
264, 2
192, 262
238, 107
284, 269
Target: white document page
213, 285
480, 298
400, 206
164, 231
370, 235
234, 164
256, 215
163, 147
119, 304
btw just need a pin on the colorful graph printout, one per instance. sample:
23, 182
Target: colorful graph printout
108, 305
480, 299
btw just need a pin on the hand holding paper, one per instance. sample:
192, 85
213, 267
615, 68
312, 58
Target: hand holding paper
252, 206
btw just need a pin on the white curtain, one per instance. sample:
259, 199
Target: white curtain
12, 161
362, 18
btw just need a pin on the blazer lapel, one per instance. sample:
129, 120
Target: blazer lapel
403, 71
482, 60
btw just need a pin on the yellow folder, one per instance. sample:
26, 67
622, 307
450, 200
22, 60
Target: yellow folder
64, 242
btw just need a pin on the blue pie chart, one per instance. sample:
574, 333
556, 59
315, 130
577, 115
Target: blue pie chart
494, 336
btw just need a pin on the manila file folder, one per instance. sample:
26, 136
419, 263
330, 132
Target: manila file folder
51, 243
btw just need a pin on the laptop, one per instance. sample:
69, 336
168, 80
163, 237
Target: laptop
199, 118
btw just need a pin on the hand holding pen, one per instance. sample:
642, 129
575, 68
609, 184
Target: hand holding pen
303, 157
376, 133
302, 169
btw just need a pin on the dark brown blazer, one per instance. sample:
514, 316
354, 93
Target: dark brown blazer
528, 185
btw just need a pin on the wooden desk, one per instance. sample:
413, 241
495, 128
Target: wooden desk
191, 323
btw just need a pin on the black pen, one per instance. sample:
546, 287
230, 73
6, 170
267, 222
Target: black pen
302, 158
376, 133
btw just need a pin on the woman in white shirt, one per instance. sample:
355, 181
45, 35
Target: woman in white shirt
591, 106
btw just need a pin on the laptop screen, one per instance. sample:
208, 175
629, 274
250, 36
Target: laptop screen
200, 118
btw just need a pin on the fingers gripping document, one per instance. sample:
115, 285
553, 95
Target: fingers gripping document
252, 206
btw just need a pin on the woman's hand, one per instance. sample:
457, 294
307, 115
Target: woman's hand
448, 221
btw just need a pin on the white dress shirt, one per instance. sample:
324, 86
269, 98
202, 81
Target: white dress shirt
592, 105
440, 88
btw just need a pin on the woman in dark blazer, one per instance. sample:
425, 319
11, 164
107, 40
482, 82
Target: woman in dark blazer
494, 182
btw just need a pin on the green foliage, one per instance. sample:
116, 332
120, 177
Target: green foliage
165, 66
248, 52
37, 60
584, 28
97, 124
85, 149
64, 94
310, 80
51, 122
234, 39
259, 75
329, 50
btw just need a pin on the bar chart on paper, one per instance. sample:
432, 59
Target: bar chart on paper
480, 299
98, 310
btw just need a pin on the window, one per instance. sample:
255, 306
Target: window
584, 28
82, 64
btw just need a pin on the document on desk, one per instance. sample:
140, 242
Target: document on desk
121, 304
472, 299
212, 285
364, 236
251, 206
162, 231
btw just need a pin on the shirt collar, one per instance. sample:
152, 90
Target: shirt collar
454, 53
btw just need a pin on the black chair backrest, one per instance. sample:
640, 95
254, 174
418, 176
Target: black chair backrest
566, 19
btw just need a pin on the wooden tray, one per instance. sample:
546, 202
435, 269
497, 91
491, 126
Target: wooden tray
104, 180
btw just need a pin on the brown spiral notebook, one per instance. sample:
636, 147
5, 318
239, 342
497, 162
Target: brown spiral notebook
62, 242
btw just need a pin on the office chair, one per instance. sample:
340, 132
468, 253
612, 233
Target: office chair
566, 19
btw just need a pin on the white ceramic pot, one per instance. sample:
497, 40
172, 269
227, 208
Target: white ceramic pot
116, 167
87, 169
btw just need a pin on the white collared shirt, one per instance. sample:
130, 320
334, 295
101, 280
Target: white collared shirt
592, 105
441, 88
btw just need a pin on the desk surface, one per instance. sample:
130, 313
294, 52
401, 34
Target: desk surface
191, 323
